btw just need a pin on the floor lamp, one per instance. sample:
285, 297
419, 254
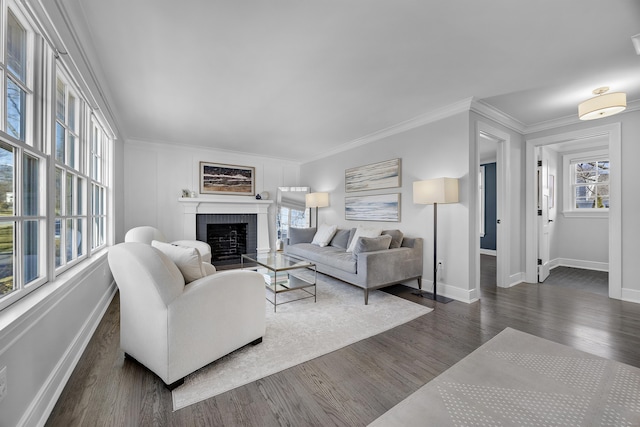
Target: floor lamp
316, 200
434, 192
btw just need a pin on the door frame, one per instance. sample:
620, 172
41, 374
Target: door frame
613, 134
503, 210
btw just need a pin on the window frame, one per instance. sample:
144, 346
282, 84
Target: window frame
33, 185
569, 161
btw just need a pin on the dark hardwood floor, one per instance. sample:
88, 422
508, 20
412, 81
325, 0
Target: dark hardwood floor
354, 385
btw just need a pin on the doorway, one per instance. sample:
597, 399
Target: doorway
610, 136
493, 140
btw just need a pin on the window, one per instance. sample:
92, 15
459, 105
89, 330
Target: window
17, 87
54, 173
587, 178
98, 188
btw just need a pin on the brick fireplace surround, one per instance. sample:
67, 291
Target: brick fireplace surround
228, 205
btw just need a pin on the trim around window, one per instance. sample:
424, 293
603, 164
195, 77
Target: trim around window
568, 160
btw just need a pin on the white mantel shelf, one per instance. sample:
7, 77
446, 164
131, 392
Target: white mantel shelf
227, 205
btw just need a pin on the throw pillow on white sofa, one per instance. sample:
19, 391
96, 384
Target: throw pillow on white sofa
363, 231
188, 260
324, 235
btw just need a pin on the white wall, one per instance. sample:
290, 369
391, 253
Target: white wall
439, 149
43, 335
156, 173
575, 242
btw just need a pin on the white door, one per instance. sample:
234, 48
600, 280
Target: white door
543, 215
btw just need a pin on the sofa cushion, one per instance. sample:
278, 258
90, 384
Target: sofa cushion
301, 235
370, 244
328, 255
188, 260
396, 238
324, 234
363, 231
340, 239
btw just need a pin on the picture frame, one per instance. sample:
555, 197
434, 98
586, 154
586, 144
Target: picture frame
374, 176
220, 178
379, 207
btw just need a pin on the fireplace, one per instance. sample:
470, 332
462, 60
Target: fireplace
228, 210
229, 235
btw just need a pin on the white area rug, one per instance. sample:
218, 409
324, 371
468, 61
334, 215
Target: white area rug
517, 379
298, 332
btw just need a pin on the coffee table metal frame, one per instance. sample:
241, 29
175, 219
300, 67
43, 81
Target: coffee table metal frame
284, 278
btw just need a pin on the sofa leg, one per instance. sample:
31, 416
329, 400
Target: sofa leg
366, 296
419, 282
256, 342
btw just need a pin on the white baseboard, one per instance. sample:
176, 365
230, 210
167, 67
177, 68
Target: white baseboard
576, 263
42, 404
516, 279
631, 295
491, 252
450, 291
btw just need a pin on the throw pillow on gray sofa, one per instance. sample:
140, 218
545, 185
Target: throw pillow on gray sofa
340, 239
301, 235
396, 238
370, 244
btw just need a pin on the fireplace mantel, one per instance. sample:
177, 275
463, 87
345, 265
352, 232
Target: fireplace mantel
193, 206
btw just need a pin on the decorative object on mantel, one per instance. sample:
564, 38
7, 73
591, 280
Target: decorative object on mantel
216, 178
186, 193
375, 176
381, 207
258, 197
432, 192
264, 195
602, 105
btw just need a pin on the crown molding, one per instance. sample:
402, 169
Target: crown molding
492, 113
416, 122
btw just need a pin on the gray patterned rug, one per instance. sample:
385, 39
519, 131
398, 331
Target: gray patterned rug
517, 379
298, 332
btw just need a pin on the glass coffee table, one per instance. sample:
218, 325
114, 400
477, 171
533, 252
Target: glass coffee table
283, 273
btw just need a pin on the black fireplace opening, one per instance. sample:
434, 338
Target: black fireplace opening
228, 242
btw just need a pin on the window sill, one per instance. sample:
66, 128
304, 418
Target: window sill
588, 214
22, 310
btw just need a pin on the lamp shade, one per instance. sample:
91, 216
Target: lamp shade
603, 105
316, 200
439, 190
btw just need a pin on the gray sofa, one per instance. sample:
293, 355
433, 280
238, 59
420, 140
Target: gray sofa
365, 267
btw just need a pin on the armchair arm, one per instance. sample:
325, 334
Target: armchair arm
214, 316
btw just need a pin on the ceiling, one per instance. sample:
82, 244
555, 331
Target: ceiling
297, 79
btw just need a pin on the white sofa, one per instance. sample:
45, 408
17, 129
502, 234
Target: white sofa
174, 329
146, 234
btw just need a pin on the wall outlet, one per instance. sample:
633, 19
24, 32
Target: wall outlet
3, 383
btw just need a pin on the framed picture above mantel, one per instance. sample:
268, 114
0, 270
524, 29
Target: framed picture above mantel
374, 176
218, 178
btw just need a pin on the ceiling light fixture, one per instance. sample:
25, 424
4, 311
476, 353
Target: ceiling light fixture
603, 105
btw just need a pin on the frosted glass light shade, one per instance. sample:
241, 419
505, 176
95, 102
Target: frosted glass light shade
439, 190
316, 200
604, 105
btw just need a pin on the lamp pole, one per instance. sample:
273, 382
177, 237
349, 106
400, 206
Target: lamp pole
435, 250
